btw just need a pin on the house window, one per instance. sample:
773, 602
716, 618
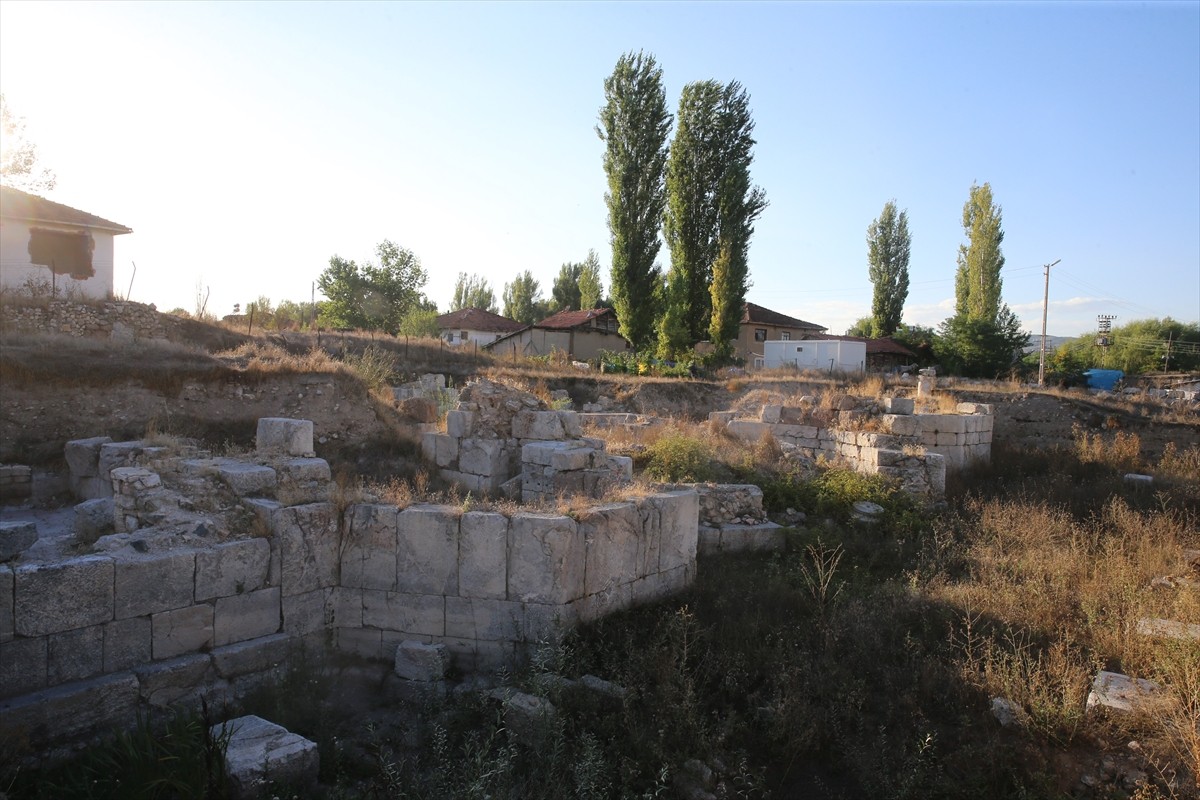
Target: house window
462, 335
760, 334
786, 336
64, 253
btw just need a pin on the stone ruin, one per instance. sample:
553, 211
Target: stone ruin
207, 573
501, 440
884, 438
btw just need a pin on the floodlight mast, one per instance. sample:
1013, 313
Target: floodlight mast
1045, 304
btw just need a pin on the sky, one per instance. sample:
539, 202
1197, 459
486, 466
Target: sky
247, 143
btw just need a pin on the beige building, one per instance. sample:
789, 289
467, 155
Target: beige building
764, 325
580, 335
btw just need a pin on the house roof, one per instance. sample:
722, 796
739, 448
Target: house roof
884, 345
755, 314
565, 320
15, 204
477, 319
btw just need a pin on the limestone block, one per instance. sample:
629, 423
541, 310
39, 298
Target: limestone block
308, 540
898, 405
572, 424
458, 423
363, 642
344, 609
232, 568
489, 620
708, 541
90, 488
540, 453
303, 480
976, 408
305, 613
279, 436
427, 550
482, 457
415, 614
253, 656
126, 643
764, 537
593, 606
83, 456
247, 479
748, 430
771, 413
475, 484
482, 555
572, 458
246, 616
165, 682
94, 518
655, 587
65, 595
529, 719
935, 468
610, 534
16, 536
418, 661
7, 623
133, 481
117, 454
900, 425
23, 666
545, 559
72, 711
1118, 692
721, 416
261, 753
429, 446
567, 483
369, 557
680, 524
539, 425
1167, 629
149, 584
184, 630
74, 655
946, 439
621, 467
548, 622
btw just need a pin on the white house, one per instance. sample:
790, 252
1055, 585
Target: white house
474, 325
48, 247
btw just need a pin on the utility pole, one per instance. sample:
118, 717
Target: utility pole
1045, 304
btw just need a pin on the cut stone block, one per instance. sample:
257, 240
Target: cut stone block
65, 595
246, 616
16, 537
540, 425
94, 518
83, 456
610, 535
482, 555
75, 655
73, 710
165, 683
545, 559
898, 405
363, 642
1119, 692
184, 630
247, 479
427, 550
487, 620
458, 423
414, 614
232, 568
118, 454
305, 613
417, 661
303, 480
483, 457
126, 643
23, 666
307, 537
369, 558
150, 584
284, 437
253, 656
1139, 480
260, 753
1168, 629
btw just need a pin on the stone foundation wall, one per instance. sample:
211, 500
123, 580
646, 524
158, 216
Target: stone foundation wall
114, 319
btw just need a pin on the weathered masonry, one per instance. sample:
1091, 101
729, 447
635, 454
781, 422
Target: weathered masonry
219, 568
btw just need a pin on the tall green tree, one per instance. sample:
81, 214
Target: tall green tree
690, 220
565, 293
977, 283
472, 291
591, 289
523, 299
739, 205
634, 124
888, 247
372, 296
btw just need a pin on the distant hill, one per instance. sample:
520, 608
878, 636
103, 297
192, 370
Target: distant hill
1052, 342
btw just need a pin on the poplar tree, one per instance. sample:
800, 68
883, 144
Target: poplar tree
738, 205
634, 123
888, 247
977, 282
591, 290
472, 291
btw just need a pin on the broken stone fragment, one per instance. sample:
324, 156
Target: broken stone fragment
1118, 692
417, 661
260, 753
16, 538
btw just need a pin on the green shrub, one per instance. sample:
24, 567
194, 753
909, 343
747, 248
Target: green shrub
679, 457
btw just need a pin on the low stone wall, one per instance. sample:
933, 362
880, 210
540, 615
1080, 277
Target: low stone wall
114, 319
16, 482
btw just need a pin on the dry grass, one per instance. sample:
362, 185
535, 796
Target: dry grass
1121, 451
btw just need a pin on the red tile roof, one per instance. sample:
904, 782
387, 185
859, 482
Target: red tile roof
16, 204
476, 319
755, 314
565, 320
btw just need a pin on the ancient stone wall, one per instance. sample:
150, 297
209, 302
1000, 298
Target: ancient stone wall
114, 319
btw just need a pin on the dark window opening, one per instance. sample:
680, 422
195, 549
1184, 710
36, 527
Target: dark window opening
760, 334
785, 336
64, 253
